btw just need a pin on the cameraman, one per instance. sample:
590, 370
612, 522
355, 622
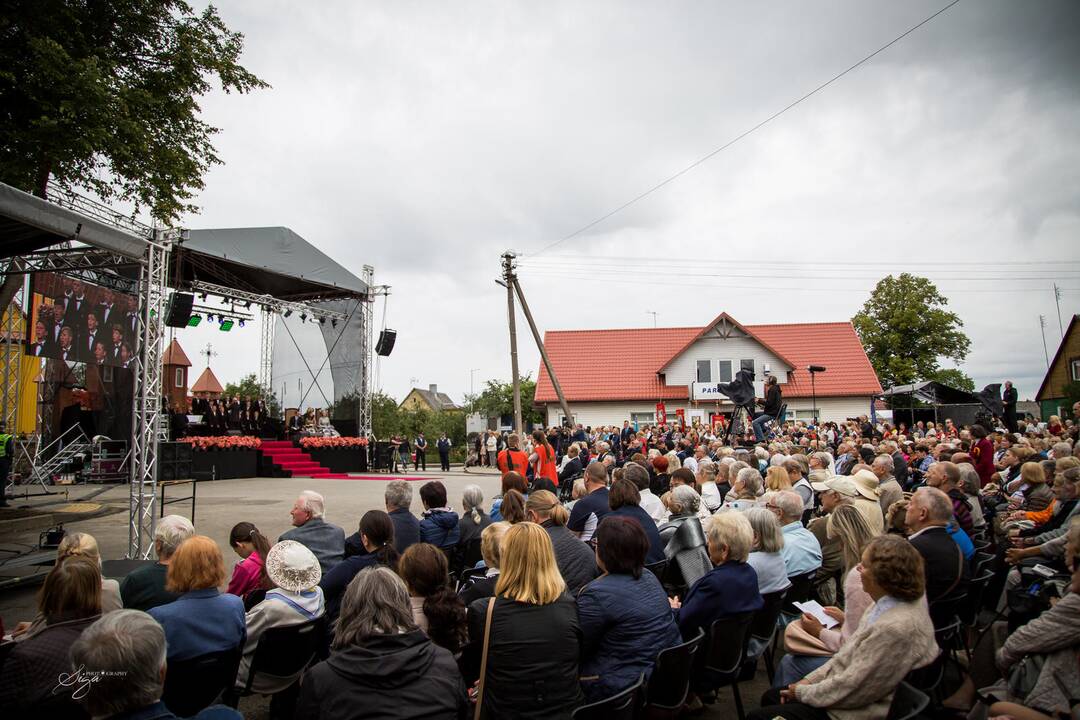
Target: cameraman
771, 409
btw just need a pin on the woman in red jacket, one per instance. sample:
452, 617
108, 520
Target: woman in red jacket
983, 454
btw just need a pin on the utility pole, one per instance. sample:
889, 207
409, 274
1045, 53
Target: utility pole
1057, 300
543, 354
507, 281
653, 313
1042, 329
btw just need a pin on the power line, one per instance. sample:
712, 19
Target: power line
745, 133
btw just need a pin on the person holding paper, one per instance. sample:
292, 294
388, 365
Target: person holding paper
894, 637
809, 642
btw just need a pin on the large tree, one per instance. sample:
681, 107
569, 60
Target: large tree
497, 400
906, 331
103, 96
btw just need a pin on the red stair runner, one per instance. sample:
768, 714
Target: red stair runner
292, 459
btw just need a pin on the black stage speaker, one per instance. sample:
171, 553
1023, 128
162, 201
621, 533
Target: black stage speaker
386, 342
179, 311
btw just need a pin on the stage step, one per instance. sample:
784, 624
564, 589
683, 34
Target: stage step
292, 460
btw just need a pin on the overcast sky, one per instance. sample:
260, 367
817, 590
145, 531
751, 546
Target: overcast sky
426, 138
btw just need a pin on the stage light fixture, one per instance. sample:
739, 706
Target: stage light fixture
209, 317
241, 323
333, 323
226, 325
303, 317
194, 320
247, 304
203, 297
322, 321
288, 313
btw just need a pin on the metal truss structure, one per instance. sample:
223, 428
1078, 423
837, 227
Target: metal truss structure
11, 369
147, 412
266, 351
367, 308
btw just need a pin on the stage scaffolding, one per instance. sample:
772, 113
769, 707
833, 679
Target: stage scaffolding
78, 237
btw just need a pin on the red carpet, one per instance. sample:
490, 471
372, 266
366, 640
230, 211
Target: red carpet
292, 459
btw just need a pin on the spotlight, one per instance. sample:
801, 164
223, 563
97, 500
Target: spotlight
303, 317
333, 323
203, 297
322, 321
288, 313
226, 325
209, 317
247, 304
194, 321
241, 323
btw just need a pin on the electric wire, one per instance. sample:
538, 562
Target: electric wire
745, 133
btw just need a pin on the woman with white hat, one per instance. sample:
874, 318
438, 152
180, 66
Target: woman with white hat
868, 500
296, 598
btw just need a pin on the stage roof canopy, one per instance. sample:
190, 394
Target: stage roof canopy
29, 223
933, 393
269, 260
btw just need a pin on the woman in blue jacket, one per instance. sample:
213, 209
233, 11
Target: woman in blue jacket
624, 614
439, 524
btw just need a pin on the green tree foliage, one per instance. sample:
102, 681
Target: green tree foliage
103, 95
497, 399
388, 419
906, 329
249, 389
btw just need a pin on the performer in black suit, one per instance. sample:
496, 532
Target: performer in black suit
106, 311
66, 350
76, 304
1009, 399
89, 337
40, 346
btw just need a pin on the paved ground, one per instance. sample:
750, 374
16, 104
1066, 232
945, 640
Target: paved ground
266, 502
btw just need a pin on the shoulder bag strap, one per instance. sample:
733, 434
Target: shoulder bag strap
483, 657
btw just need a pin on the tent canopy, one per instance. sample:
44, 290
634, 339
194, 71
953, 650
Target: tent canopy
29, 223
933, 393
270, 260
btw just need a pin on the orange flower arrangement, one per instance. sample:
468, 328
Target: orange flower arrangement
224, 442
321, 443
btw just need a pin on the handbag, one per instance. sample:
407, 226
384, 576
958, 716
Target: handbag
1024, 675
799, 642
483, 657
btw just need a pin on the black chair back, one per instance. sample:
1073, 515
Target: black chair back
470, 553
764, 624
801, 587
286, 651
469, 576
907, 703
623, 706
196, 683
726, 645
669, 683
658, 569
968, 612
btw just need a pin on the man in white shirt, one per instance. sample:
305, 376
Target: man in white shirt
651, 504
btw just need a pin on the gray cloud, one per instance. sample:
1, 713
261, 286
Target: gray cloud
425, 139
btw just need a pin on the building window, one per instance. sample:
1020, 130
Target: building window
645, 418
1074, 369
704, 370
804, 414
725, 371
179, 377
747, 366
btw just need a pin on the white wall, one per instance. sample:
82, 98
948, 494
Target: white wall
683, 369
592, 414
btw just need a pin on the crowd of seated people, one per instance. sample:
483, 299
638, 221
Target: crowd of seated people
539, 605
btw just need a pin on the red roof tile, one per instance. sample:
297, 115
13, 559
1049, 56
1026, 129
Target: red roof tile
612, 365
175, 355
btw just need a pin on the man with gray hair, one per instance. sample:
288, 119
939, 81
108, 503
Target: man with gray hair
325, 540
144, 588
888, 487
649, 503
398, 499
119, 664
928, 514
801, 551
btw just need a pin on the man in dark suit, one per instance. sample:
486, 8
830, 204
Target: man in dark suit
106, 310
928, 515
66, 350
114, 346
76, 304
1009, 398
41, 346
89, 337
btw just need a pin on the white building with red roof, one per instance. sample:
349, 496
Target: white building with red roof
613, 375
